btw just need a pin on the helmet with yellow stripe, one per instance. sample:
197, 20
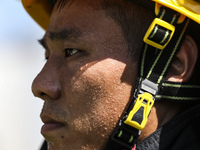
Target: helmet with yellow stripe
40, 11
189, 8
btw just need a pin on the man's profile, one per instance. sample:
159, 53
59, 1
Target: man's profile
119, 74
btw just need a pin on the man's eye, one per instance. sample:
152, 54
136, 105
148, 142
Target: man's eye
70, 51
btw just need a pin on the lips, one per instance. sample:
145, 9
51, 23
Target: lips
50, 124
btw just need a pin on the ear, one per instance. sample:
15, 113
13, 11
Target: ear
182, 66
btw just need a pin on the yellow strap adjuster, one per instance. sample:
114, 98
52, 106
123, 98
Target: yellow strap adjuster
153, 36
138, 116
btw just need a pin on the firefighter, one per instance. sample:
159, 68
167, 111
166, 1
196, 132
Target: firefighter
119, 74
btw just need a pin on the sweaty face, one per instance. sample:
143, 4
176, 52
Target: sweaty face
87, 79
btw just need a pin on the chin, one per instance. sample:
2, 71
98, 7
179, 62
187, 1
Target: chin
73, 146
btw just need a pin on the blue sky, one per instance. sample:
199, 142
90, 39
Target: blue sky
15, 22
21, 59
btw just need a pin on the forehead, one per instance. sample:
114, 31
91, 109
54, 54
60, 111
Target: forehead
87, 18
76, 12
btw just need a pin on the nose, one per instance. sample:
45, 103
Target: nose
46, 85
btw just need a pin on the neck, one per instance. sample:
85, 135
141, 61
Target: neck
161, 113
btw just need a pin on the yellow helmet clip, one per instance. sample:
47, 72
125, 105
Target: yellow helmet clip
189, 8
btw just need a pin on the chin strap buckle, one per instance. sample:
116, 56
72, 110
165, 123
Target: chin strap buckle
138, 116
135, 118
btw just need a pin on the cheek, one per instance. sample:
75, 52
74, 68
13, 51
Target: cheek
99, 97
98, 81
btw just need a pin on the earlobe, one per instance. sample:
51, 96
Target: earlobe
183, 64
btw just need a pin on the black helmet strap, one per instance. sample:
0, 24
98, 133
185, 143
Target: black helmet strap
152, 84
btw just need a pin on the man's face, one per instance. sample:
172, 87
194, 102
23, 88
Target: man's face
87, 79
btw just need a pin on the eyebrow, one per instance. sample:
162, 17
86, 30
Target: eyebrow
65, 34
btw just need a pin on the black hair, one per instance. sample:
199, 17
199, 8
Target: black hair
52, 2
61, 3
134, 21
